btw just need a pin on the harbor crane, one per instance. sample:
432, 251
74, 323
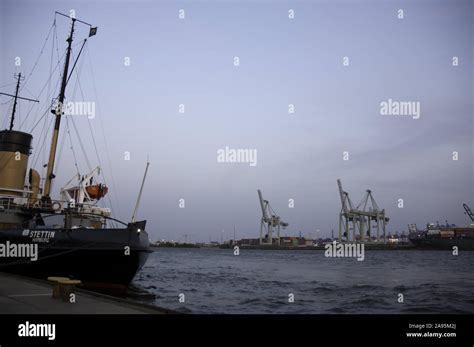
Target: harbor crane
358, 222
468, 212
270, 223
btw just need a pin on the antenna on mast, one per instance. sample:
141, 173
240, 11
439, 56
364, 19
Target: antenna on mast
16, 97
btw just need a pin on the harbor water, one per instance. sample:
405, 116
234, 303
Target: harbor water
306, 282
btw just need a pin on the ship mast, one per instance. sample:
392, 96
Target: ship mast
14, 103
60, 106
16, 97
59, 109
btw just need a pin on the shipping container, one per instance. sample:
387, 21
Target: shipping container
464, 232
447, 233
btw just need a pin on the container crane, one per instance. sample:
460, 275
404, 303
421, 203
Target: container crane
468, 212
270, 222
359, 220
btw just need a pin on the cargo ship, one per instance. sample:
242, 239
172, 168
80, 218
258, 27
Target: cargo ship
74, 235
446, 236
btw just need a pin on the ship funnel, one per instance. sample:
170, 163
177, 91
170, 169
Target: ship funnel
14, 152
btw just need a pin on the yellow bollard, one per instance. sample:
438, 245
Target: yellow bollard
56, 288
66, 287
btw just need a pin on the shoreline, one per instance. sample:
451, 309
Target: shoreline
372, 247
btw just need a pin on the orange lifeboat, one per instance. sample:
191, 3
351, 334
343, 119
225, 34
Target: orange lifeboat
97, 191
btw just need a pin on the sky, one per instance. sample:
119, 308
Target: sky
145, 61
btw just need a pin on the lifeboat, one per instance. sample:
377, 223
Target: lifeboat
97, 191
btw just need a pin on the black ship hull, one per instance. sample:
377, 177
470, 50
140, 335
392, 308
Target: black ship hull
462, 244
99, 256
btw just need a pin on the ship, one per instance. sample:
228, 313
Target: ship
446, 236
74, 236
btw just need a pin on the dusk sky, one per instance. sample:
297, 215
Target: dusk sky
283, 61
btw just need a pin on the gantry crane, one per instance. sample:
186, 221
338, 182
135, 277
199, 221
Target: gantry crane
270, 222
360, 220
468, 211
348, 221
